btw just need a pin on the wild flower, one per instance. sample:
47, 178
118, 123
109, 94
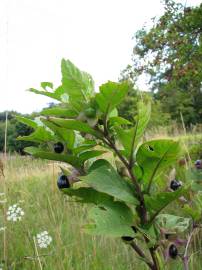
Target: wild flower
14, 213
1, 230
43, 239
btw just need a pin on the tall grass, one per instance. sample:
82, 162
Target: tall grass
32, 184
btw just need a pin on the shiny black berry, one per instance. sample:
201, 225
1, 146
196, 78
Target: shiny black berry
100, 122
127, 238
198, 164
90, 112
173, 252
58, 147
63, 182
174, 184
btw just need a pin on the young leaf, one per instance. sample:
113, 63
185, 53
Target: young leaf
116, 120
156, 155
111, 94
112, 219
106, 179
129, 138
78, 85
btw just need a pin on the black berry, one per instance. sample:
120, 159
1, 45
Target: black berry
63, 182
100, 122
198, 164
173, 252
127, 238
174, 184
90, 112
58, 147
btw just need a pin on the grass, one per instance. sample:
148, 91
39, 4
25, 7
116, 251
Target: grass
32, 184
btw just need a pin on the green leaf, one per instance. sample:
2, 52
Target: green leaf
157, 202
111, 219
40, 153
118, 121
130, 138
26, 121
106, 179
57, 94
46, 84
77, 84
172, 224
60, 112
90, 154
111, 94
194, 210
87, 195
86, 145
67, 136
156, 155
41, 134
75, 125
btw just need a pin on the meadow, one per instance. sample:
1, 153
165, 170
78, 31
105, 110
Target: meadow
31, 183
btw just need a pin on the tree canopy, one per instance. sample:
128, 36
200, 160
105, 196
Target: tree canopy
170, 52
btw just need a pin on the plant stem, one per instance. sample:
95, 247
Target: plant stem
141, 254
142, 209
185, 258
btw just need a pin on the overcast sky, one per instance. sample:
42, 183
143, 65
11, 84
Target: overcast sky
35, 35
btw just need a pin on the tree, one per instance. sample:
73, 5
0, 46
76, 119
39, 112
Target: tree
128, 108
170, 52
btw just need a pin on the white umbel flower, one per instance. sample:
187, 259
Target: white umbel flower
43, 239
14, 213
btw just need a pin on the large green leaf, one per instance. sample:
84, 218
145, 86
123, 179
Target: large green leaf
40, 153
87, 195
67, 136
60, 112
27, 121
77, 84
157, 202
75, 125
129, 138
41, 134
106, 179
111, 94
172, 224
156, 155
112, 219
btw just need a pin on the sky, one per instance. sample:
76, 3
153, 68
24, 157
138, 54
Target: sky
96, 35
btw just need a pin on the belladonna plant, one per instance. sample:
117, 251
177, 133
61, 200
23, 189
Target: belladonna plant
112, 168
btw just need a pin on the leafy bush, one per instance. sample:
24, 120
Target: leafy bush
121, 176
